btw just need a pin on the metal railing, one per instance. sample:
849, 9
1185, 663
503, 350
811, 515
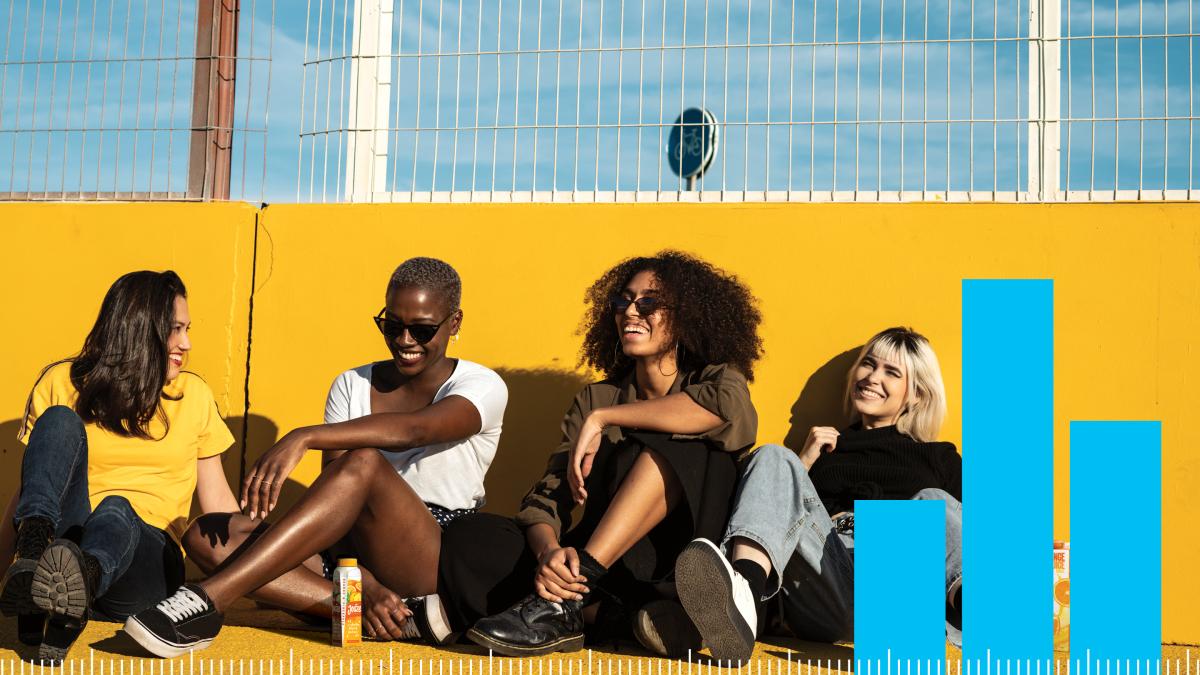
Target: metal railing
134, 99
857, 100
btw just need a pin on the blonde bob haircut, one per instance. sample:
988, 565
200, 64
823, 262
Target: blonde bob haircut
925, 401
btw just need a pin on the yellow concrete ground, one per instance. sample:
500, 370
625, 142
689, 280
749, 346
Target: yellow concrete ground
104, 647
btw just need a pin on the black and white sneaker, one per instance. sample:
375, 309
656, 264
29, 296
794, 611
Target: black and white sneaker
185, 622
429, 617
718, 599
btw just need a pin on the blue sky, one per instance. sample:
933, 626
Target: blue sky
744, 88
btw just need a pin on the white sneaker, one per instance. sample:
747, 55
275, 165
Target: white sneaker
718, 600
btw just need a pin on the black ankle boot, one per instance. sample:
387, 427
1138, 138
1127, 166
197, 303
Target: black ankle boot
33, 536
64, 587
536, 626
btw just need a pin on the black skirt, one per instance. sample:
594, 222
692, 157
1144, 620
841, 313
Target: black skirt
485, 565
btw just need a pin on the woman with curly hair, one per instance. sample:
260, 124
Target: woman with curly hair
650, 452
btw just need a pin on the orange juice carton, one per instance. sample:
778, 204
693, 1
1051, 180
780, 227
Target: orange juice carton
347, 603
1062, 596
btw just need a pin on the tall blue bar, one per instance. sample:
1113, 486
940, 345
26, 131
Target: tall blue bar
1008, 467
899, 583
1116, 540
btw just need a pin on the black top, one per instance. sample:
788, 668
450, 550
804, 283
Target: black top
883, 464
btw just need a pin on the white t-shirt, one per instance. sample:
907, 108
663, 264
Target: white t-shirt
447, 474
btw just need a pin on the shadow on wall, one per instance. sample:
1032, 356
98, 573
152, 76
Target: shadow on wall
259, 434
820, 402
537, 401
10, 460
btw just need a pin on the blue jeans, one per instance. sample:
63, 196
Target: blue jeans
778, 508
140, 565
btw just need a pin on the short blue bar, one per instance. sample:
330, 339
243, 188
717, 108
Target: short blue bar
899, 582
1008, 467
1116, 540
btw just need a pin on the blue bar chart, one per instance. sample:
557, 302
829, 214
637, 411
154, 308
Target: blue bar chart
1116, 547
1008, 467
899, 581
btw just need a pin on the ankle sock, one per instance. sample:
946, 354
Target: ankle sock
33, 536
92, 570
590, 568
754, 575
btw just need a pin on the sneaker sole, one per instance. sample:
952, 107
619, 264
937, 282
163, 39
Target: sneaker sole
158, 646
434, 623
674, 643
59, 586
15, 596
571, 643
701, 574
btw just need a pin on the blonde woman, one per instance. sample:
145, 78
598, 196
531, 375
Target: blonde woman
782, 540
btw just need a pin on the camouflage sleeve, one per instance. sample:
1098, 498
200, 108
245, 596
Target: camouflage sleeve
550, 499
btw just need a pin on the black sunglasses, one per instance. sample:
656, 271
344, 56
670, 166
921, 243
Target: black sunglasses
421, 332
644, 306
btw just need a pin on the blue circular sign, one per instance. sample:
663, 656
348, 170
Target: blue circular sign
693, 143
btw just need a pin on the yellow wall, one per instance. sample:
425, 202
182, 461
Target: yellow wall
1127, 279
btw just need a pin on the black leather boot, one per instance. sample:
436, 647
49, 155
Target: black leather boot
64, 586
536, 626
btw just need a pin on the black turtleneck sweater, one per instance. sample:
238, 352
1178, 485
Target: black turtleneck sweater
883, 464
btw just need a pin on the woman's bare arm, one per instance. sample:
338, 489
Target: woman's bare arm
675, 414
450, 419
213, 494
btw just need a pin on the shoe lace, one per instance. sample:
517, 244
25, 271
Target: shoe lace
409, 628
182, 605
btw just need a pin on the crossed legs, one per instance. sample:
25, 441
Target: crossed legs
360, 495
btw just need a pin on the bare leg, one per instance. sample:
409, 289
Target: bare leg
361, 494
216, 539
647, 494
748, 549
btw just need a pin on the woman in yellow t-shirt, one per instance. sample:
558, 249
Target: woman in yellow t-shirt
117, 440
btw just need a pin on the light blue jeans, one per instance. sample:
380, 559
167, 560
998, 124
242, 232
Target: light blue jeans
777, 507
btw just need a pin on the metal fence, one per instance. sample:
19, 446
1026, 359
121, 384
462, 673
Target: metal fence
549, 100
134, 99
873, 100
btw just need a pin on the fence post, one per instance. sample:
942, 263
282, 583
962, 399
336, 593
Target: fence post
211, 147
1045, 31
369, 97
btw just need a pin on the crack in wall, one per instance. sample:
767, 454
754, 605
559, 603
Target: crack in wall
249, 346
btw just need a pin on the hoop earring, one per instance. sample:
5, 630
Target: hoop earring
454, 337
660, 372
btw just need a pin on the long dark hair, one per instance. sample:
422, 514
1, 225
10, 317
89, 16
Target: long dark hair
121, 370
711, 313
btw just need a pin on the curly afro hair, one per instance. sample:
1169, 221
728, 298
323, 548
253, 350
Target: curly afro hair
712, 314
